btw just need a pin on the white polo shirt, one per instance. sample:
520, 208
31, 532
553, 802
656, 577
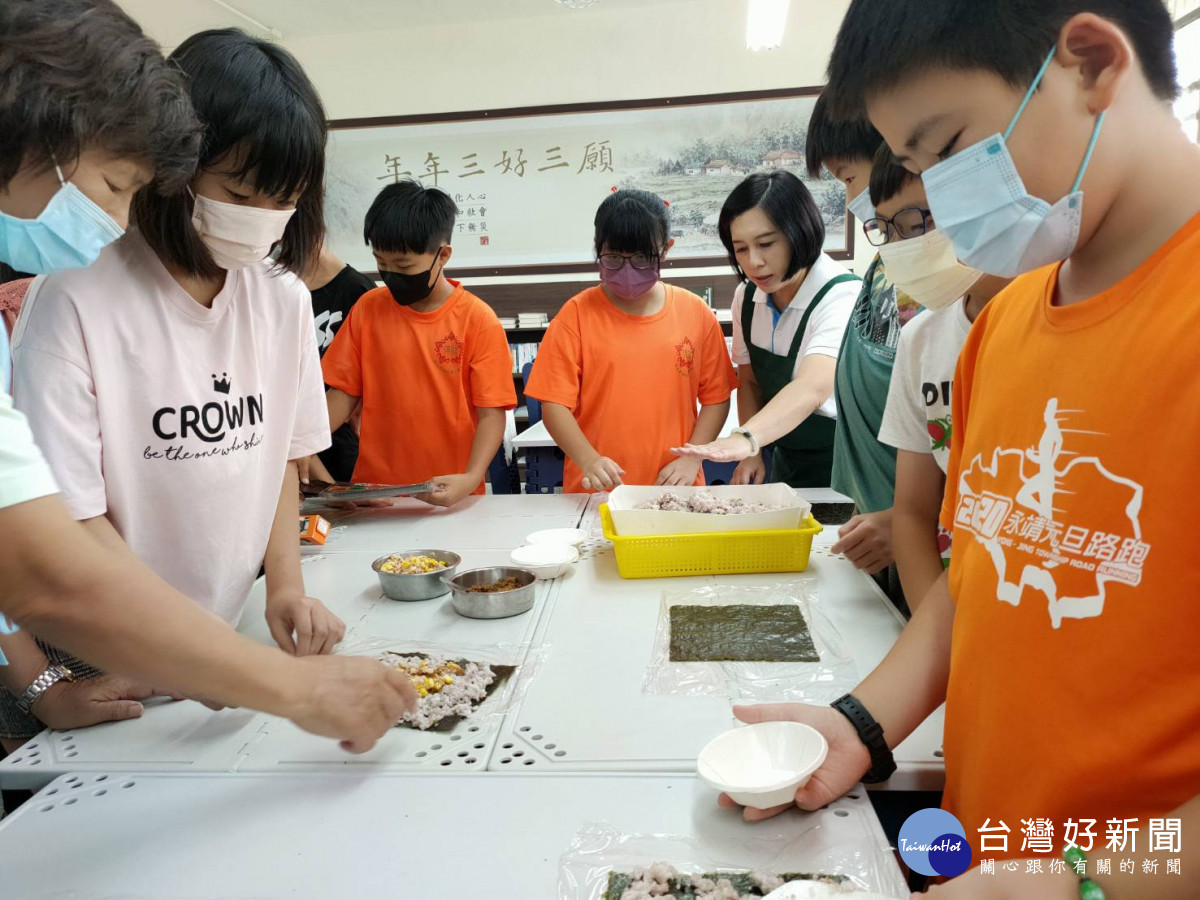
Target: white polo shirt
825, 329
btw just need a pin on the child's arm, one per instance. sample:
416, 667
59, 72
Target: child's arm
683, 470
341, 407
289, 610
599, 472
448, 490
920, 486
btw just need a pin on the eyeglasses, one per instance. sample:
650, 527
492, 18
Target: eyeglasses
637, 260
910, 222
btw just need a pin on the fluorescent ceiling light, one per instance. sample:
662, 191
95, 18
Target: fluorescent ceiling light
765, 22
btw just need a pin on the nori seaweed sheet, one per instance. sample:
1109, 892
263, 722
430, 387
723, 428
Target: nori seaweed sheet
502, 673
740, 633
681, 887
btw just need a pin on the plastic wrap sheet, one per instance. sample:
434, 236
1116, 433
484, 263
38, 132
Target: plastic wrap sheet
823, 681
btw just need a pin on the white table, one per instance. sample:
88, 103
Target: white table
451, 838
491, 522
536, 435
187, 736
586, 710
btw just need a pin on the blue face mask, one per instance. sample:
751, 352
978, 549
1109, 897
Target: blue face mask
861, 207
978, 199
69, 234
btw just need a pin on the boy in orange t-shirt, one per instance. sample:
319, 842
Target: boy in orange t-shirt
625, 364
1063, 641
429, 360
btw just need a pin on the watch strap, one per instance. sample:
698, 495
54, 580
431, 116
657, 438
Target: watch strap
49, 677
870, 732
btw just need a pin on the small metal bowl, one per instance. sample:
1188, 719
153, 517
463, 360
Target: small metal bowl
491, 606
417, 587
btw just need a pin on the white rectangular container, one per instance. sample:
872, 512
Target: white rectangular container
632, 522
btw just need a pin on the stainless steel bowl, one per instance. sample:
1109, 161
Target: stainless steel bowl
417, 587
491, 606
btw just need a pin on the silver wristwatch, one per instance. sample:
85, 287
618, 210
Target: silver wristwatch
52, 676
754, 445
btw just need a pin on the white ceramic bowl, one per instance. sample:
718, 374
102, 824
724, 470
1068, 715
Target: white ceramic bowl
762, 765
571, 536
546, 560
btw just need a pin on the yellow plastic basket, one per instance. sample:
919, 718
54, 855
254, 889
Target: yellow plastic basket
718, 553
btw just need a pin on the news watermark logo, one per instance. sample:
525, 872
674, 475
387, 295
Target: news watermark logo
933, 842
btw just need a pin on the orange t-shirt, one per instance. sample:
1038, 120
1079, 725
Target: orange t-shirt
421, 377
633, 382
1072, 492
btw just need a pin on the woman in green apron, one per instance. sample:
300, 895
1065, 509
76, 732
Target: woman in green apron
789, 317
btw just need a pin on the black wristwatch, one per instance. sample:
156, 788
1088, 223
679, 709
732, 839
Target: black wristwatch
870, 732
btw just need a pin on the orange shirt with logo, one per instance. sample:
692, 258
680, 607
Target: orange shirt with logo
421, 377
633, 382
1072, 492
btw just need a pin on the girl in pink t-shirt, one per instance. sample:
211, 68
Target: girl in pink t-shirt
170, 412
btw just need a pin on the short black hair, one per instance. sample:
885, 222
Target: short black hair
80, 74
786, 202
881, 42
255, 102
888, 177
408, 217
831, 138
633, 221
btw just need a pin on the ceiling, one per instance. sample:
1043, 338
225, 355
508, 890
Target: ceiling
170, 21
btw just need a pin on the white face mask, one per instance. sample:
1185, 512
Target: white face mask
238, 236
926, 269
861, 206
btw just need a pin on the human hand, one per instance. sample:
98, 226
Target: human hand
848, 759
303, 626
352, 699
679, 471
449, 490
731, 449
78, 704
602, 475
751, 470
866, 540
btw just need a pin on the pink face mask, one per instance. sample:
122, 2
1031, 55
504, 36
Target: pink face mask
627, 282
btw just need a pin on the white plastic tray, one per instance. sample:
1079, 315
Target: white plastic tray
186, 837
630, 521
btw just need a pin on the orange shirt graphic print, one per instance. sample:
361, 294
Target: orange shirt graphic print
685, 357
449, 353
1060, 524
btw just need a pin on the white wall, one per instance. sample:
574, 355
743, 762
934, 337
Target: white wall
659, 50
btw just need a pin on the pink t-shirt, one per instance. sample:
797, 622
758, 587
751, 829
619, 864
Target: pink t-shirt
175, 420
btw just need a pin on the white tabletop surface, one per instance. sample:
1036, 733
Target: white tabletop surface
582, 652
186, 837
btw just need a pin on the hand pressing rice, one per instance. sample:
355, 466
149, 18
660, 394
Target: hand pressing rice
705, 502
444, 688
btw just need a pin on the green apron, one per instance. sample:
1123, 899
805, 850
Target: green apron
804, 456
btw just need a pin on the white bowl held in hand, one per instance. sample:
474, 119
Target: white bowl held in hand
764, 764
546, 560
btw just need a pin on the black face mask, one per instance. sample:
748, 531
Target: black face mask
409, 289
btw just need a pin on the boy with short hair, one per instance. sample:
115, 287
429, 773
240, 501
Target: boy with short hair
918, 419
864, 469
1061, 641
428, 359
